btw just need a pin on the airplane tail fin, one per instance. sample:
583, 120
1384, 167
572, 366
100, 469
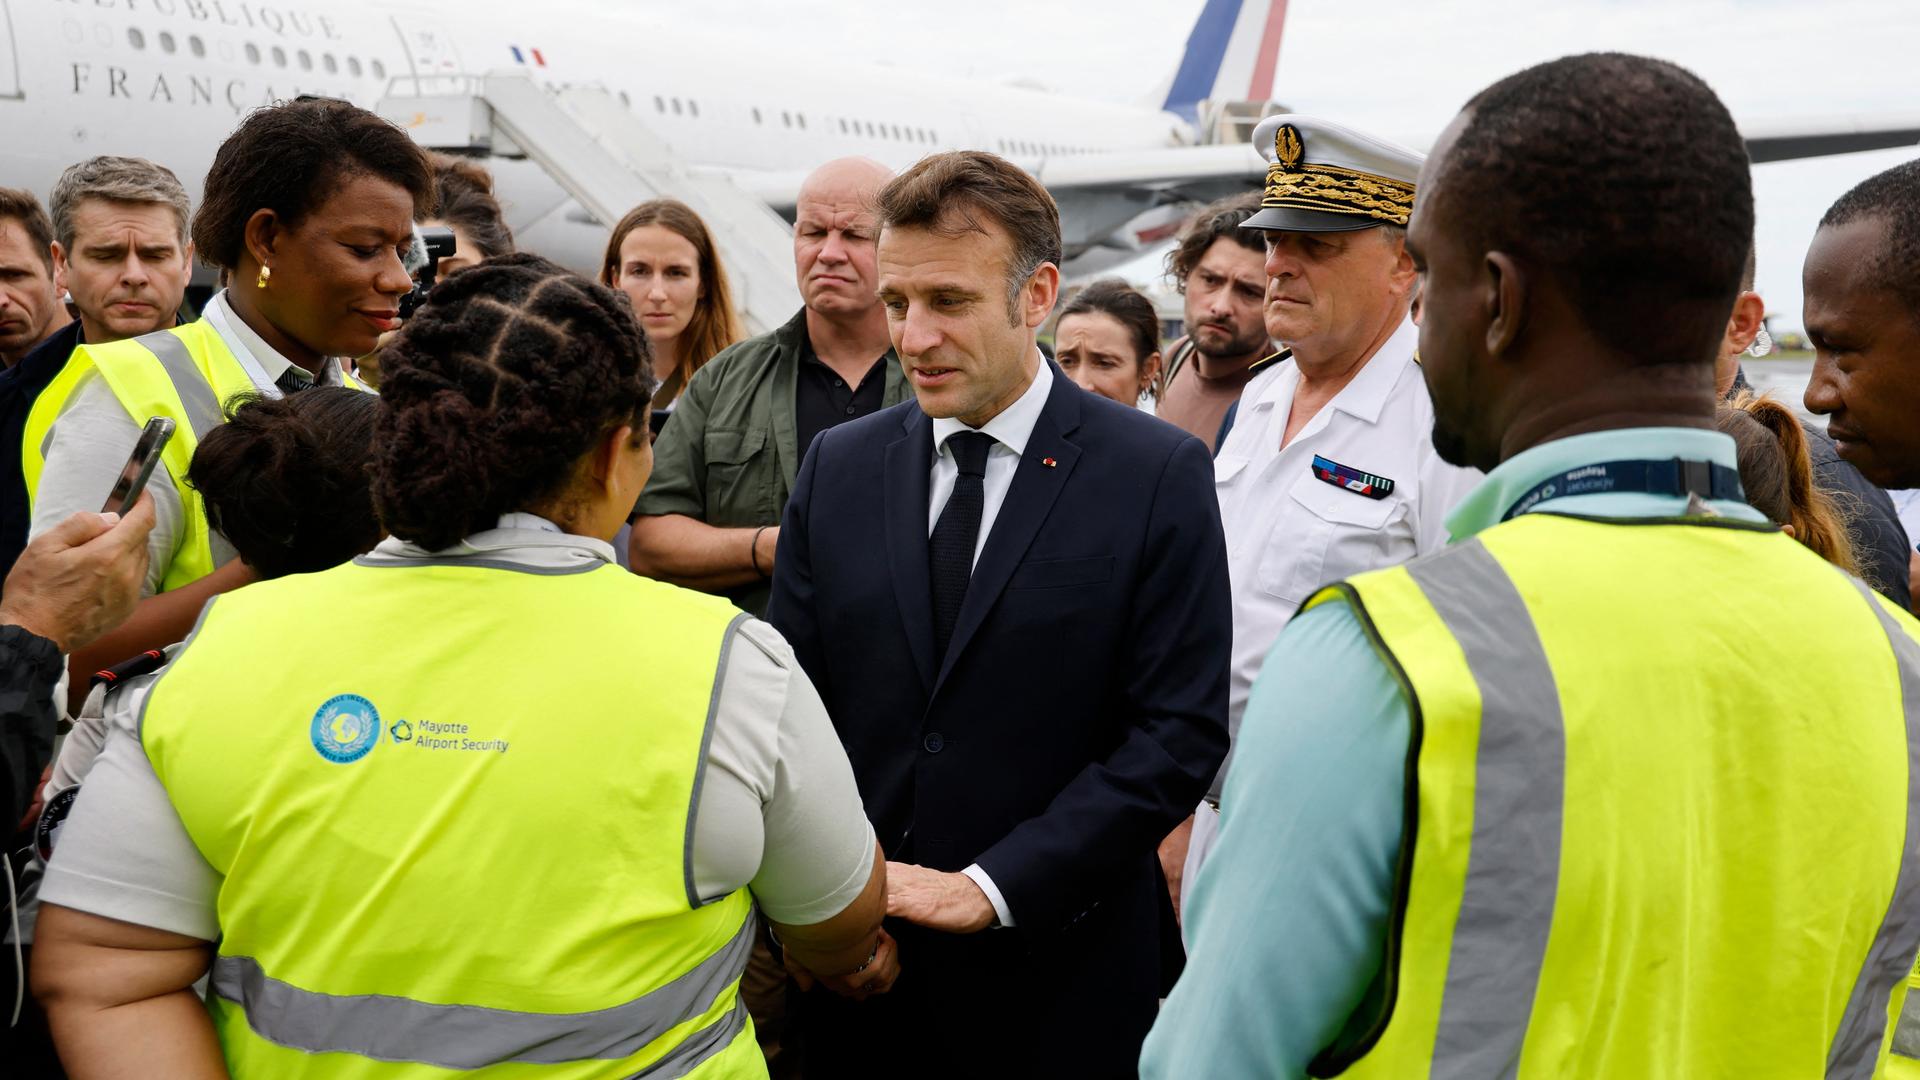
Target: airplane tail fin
1230, 56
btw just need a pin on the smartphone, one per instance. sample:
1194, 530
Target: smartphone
139, 467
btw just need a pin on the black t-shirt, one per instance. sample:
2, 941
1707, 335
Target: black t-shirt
821, 398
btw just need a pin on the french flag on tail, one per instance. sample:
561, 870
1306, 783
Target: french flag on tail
1231, 55
528, 56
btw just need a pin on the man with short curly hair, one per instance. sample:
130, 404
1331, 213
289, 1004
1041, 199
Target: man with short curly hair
1218, 268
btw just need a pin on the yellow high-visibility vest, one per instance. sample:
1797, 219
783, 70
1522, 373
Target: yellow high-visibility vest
187, 374
468, 853
1664, 817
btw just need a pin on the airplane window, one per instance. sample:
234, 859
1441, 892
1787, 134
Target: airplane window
676, 106
659, 104
279, 56
306, 60
625, 100
198, 47
756, 114
870, 128
135, 38
803, 120
843, 125
327, 61
253, 53
786, 119
353, 62
693, 107
166, 42
379, 70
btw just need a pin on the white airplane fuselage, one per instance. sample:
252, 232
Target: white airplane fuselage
169, 79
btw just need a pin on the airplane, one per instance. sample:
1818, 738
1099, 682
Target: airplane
169, 79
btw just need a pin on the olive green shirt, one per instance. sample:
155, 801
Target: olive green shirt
729, 455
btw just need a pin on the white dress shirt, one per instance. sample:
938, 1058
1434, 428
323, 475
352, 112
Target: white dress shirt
1010, 431
1289, 532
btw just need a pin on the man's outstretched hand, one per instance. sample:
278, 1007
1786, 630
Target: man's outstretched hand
937, 900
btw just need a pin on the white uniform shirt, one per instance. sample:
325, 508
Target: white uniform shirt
1289, 532
93, 435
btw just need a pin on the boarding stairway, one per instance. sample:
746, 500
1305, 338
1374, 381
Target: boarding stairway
602, 155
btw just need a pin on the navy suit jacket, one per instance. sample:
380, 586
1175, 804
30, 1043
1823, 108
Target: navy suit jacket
1080, 710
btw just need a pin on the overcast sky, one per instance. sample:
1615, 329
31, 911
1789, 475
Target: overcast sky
1403, 68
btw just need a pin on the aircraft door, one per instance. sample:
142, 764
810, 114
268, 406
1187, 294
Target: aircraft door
9, 55
431, 50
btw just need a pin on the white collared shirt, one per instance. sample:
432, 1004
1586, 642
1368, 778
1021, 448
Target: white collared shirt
1289, 532
1010, 431
262, 362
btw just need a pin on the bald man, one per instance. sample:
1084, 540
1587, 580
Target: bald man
710, 515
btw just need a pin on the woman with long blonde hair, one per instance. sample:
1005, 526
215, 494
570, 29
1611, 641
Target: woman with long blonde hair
662, 256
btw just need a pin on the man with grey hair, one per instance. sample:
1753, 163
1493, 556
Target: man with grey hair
119, 249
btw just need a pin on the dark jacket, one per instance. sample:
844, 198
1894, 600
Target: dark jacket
1075, 720
1880, 542
20, 387
729, 454
29, 668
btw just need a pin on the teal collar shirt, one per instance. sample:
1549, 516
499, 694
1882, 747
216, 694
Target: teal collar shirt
1287, 926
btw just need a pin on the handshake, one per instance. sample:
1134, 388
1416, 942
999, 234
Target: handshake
929, 898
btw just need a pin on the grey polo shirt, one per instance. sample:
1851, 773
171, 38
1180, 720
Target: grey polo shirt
778, 811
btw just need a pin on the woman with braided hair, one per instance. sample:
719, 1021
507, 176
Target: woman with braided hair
529, 822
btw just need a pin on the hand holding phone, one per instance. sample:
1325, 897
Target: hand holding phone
139, 467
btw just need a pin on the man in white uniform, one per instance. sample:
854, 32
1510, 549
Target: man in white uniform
1329, 469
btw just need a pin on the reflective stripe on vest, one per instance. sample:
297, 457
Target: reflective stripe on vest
186, 373
495, 871
1857, 1042
1507, 906
469, 1037
1588, 784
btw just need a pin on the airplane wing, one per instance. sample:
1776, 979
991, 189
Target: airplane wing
1791, 138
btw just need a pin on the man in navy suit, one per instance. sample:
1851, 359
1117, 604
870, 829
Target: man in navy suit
1012, 596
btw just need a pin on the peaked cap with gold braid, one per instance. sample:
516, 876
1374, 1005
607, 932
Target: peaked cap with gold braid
1322, 177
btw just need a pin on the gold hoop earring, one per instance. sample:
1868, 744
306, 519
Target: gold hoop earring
261, 281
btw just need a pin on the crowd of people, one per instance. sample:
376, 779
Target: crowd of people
1437, 661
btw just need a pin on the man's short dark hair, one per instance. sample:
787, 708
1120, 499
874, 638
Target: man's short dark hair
19, 205
949, 193
1894, 198
1626, 179
1218, 219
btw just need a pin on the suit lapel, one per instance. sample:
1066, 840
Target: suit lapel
904, 503
1036, 484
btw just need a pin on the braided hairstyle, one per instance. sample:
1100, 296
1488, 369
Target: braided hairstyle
494, 389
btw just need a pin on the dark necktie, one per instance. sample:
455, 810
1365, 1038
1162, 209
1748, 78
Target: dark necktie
950, 548
293, 380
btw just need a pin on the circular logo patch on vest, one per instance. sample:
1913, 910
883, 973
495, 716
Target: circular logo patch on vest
345, 728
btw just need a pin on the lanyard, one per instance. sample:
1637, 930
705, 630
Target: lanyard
1673, 476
